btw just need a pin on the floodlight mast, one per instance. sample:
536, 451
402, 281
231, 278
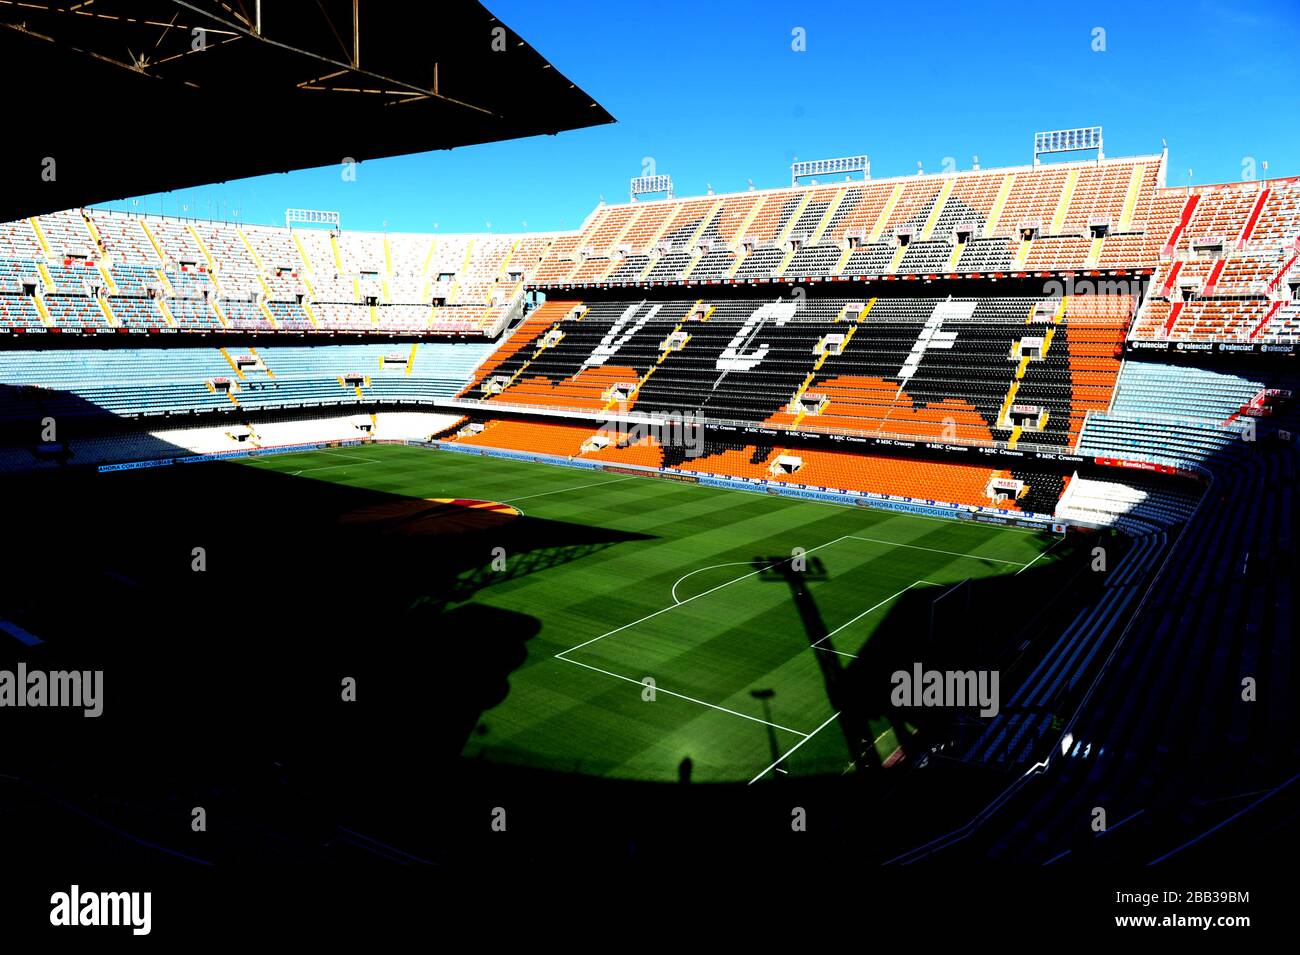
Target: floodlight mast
1068, 141
312, 217
830, 167
648, 185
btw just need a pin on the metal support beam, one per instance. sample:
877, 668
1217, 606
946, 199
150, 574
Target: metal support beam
356, 33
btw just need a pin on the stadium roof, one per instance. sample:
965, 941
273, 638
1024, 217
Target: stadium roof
115, 98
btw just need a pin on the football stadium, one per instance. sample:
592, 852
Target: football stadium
951, 506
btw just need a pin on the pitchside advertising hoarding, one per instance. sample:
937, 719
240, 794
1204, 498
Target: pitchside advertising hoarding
1210, 348
894, 444
135, 465
801, 491
1018, 522
224, 455
1143, 466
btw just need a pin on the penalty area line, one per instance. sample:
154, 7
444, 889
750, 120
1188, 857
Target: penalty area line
682, 696
865, 612
331, 467
733, 563
682, 603
934, 550
792, 749
1036, 559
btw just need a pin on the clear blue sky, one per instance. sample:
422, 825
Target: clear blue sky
713, 92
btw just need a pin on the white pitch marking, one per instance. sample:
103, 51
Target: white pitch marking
932, 550
561, 490
793, 748
333, 467
333, 453
673, 606
704, 593
681, 696
734, 563
851, 656
867, 611
950, 521
1034, 561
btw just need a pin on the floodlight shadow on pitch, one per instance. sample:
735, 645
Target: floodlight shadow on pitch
781, 568
765, 697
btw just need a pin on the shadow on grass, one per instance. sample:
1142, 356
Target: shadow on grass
224, 687
221, 693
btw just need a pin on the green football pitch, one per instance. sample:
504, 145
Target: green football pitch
712, 628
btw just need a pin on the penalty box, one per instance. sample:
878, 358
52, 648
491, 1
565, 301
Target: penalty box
739, 639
